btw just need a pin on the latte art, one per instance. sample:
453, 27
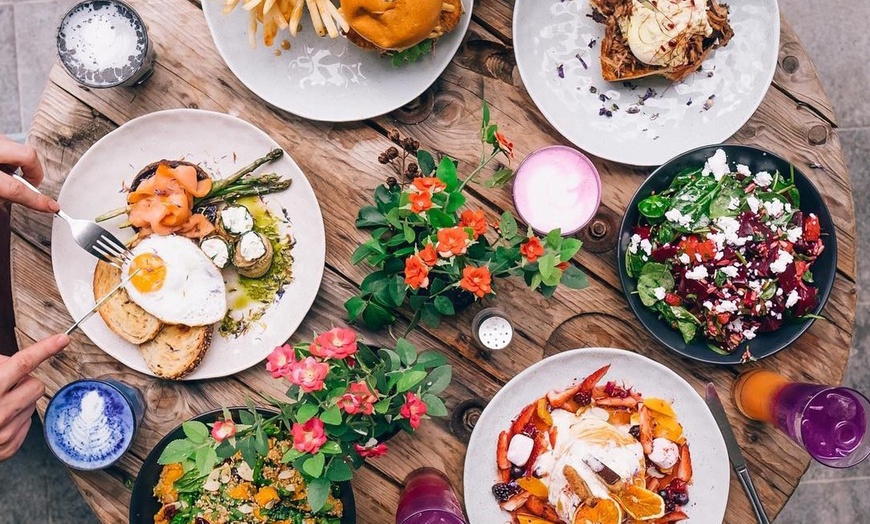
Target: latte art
89, 431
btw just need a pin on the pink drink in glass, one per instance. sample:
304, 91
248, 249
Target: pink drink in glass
428, 498
557, 187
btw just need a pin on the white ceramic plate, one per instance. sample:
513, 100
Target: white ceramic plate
708, 493
550, 33
321, 78
94, 186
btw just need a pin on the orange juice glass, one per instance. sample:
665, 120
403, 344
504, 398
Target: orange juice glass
755, 392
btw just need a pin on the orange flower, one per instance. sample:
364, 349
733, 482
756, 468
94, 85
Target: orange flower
562, 265
475, 220
428, 255
452, 241
476, 280
532, 249
505, 145
429, 184
420, 202
416, 272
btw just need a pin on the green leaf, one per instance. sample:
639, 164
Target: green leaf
376, 316
370, 216
554, 239
406, 351
489, 134
547, 265
382, 406
291, 455
430, 316
508, 225
306, 412
485, 119
354, 306
438, 379
536, 281
397, 289
426, 162
177, 451
261, 442
653, 276
501, 177
444, 306
339, 471
454, 202
313, 465
331, 416
434, 406
412, 54
431, 358
553, 280
195, 431
570, 247
574, 278
439, 219
249, 451
654, 206
391, 358
409, 379
330, 448
447, 173
359, 254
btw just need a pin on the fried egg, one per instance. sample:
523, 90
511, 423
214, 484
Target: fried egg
176, 282
658, 31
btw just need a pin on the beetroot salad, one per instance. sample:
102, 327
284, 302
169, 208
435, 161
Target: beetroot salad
724, 253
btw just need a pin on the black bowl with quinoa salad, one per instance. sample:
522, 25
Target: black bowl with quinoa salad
145, 508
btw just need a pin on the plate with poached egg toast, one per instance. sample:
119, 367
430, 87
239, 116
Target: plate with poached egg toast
221, 279
640, 81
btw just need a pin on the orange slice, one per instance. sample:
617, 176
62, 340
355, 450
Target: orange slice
660, 406
641, 503
533, 486
600, 511
523, 518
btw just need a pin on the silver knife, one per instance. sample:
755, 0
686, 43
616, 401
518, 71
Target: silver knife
734, 453
102, 301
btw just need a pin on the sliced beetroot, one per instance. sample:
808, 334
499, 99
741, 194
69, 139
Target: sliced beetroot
807, 300
770, 323
788, 279
642, 231
664, 253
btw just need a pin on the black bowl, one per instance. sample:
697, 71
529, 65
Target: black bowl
824, 269
143, 504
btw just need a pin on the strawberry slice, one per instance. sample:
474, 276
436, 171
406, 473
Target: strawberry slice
646, 436
684, 468
539, 447
590, 381
524, 418
674, 516
516, 502
812, 228
501, 451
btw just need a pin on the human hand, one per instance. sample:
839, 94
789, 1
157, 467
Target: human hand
19, 391
13, 156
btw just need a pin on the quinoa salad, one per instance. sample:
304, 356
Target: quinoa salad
269, 493
725, 253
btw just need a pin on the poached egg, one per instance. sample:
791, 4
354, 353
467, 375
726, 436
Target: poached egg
657, 30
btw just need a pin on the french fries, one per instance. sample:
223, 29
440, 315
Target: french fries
280, 15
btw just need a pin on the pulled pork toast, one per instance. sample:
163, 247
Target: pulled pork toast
122, 315
619, 63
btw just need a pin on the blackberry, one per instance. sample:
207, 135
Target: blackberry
669, 506
634, 431
517, 472
680, 498
584, 398
503, 491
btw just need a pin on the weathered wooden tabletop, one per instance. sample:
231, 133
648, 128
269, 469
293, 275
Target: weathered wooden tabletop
795, 121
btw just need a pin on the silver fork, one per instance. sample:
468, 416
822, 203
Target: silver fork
89, 235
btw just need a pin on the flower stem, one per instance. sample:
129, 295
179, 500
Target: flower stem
483, 163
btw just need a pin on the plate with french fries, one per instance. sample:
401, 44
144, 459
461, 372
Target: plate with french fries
296, 56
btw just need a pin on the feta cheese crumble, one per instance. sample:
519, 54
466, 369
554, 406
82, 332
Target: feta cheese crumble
783, 259
659, 293
635, 242
792, 298
729, 271
763, 178
725, 307
774, 208
753, 203
676, 217
646, 246
698, 273
716, 165
794, 234
743, 169
734, 203
684, 259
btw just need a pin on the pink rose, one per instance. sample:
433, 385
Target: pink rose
358, 399
413, 410
308, 374
336, 343
308, 437
371, 451
280, 361
223, 429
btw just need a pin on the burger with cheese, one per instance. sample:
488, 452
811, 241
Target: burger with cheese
404, 28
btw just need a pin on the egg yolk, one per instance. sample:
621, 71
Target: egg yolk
152, 272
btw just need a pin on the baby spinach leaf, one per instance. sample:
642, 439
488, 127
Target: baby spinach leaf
654, 206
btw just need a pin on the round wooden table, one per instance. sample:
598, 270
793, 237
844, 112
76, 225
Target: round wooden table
795, 121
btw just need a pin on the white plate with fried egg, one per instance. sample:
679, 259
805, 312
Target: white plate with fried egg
645, 121
220, 144
708, 491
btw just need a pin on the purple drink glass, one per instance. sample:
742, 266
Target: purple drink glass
428, 498
831, 423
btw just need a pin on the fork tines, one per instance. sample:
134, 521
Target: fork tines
111, 250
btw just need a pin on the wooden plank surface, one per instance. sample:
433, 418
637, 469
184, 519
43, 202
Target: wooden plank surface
794, 121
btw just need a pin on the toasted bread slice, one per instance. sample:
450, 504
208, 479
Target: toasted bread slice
122, 315
619, 63
177, 350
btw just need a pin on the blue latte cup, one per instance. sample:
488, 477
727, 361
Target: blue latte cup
90, 424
